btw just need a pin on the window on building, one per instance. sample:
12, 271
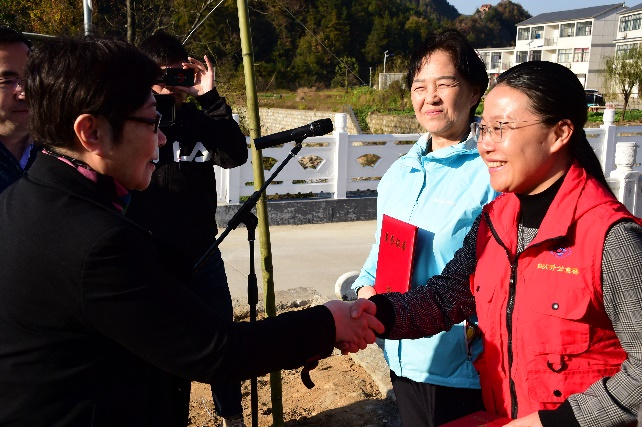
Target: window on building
537, 32
485, 56
630, 22
621, 49
581, 55
522, 56
536, 55
523, 34
584, 28
567, 30
495, 60
564, 55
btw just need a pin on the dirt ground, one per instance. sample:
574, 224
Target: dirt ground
344, 396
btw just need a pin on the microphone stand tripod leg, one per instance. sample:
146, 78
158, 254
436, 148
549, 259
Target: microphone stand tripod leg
245, 216
253, 299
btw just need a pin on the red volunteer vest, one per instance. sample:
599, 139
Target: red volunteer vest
546, 334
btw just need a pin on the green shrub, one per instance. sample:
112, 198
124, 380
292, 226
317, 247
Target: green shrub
631, 116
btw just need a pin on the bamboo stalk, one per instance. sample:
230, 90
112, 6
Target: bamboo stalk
254, 126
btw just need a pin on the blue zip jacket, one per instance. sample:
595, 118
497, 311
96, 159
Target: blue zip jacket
442, 193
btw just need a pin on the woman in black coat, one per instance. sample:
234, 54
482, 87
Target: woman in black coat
95, 326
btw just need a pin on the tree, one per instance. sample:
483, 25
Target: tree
346, 72
295, 42
623, 72
439, 8
496, 27
54, 17
418, 27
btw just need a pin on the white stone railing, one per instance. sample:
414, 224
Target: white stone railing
329, 165
339, 164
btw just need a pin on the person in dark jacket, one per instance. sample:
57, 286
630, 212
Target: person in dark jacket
16, 154
95, 322
179, 206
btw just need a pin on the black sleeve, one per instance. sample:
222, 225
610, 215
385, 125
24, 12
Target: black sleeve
128, 297
563, 416
385, 313
214, 105
219, 131
445, 300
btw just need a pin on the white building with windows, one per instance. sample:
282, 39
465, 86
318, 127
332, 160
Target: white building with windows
629, 36
578, 39
629, 31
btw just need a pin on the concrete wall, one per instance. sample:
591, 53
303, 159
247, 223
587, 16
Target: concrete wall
279, 119
386, 79
389, 123
275, 120
602, 46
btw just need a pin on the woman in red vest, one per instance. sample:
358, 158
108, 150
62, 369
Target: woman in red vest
553, 267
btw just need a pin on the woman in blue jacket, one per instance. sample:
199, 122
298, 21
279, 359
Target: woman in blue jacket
439, 186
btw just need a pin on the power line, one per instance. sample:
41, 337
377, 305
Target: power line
203, 20
319, 41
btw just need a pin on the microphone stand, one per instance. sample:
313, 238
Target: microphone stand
244, 215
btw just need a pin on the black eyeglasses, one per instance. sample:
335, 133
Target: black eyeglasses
153, 122
497, 130
11, 83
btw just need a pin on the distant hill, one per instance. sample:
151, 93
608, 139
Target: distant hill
495, 27
296, 43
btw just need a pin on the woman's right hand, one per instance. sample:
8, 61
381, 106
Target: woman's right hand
366, 292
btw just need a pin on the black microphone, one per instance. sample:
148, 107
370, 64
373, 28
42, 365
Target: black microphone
316, 128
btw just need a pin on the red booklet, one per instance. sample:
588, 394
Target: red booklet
478, 419
396, 255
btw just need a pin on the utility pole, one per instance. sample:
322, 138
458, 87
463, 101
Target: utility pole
346, 80
370, 77
384, 82
130, 22
87, 12
385, 55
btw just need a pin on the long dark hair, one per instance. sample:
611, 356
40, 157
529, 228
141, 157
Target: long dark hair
556, 94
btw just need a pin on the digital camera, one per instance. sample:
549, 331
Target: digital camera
177, 77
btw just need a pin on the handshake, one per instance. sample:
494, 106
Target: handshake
355, 324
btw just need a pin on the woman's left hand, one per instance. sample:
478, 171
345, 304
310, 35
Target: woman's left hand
531, 420
204, 76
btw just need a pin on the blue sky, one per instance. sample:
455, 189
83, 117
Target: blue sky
535, 7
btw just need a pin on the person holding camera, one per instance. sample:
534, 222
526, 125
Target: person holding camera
179, 207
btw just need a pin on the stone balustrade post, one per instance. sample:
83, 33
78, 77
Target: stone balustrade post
608, 142
625, 157
341, 155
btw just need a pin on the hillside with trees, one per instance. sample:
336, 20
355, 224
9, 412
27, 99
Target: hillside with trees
297, 43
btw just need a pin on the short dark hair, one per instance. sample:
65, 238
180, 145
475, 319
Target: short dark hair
67, 77
9, 35
555, 93
465, 58
164, 48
